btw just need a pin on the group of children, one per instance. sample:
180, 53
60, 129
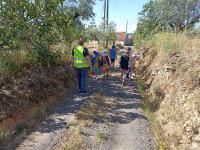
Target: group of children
100, 64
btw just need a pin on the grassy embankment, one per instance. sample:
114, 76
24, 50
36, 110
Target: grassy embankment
170, 76
28, 87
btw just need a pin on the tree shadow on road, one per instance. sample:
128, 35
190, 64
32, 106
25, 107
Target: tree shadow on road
128, 106
126, 109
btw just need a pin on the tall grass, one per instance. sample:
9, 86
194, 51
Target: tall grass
171, 42
11, 62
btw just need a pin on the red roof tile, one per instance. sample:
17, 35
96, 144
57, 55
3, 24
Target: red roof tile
121, 36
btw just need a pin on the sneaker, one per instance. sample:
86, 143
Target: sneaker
83, 92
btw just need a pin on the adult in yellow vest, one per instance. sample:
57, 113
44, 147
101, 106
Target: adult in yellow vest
82, 63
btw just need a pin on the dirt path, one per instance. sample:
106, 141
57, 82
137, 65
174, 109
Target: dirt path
128, 128
133, 129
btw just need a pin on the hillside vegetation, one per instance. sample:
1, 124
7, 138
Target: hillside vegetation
168, 32
35, 42
171, 72
35, 49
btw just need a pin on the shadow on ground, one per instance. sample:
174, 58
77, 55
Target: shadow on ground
127, 98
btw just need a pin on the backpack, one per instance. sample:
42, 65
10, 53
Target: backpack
95, 60
105, 62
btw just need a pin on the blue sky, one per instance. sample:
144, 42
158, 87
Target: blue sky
120, 12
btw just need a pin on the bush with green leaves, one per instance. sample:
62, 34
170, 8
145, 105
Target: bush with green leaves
7, 65
34, 26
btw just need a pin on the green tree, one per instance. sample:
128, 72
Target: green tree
168, 15
101, 34
149, 21
35, 25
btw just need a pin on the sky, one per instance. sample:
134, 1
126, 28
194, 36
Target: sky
120, 12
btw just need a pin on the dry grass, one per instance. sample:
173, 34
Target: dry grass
95, 110
3, 135
170, 43
86, 123
175, 93
74, 141
92, 119
101, 136
41, 113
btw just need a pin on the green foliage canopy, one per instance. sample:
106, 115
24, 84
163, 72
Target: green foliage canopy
35, 25
168, 15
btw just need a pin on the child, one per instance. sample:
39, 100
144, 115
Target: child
131, 64
124, 63
95, 64
113, 56
105, 63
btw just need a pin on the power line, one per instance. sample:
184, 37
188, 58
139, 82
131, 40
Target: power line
119, 10
120, 16
102, 11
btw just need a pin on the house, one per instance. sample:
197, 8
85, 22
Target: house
125, 39
120, 37
129, 39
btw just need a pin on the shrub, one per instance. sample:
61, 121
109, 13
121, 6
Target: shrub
8, 65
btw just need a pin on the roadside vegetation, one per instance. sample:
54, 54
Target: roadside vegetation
35, 45
168, 33
30, 31
35, 48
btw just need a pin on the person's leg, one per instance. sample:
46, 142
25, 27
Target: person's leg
103, 70
130, 73
122, 74
78, 73
84, 75
133, 71
96, 72
113, 63
107, 72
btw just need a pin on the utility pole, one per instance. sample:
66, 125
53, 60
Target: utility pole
104, 16
126, 26
107, 21
126, 36
104, 21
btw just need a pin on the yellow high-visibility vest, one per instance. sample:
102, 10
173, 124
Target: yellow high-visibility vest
79, 60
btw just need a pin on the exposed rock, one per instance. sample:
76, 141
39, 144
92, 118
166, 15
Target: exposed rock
174, 87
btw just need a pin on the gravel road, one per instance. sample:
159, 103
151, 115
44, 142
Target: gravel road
129, 127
